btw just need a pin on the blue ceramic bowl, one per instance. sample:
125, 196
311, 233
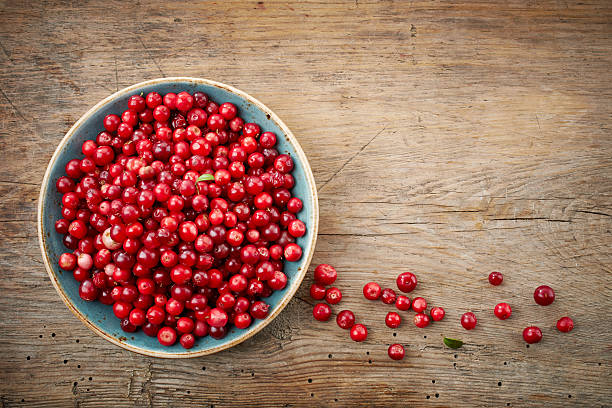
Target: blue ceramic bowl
99, 317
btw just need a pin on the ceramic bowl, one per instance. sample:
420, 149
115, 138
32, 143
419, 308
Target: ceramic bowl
99, 317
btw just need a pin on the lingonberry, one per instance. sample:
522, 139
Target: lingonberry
419, 304
502, 311
333, 296
388, 296
406, 282
359, 333
393, 320
421, 320
402, 303
372, 291
396, 352
321, 312
565, 324
468, 320
437, 314
345, 319
496, 278
532, 334
325, 274
544, 295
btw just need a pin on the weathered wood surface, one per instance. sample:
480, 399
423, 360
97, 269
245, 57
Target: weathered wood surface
446, 138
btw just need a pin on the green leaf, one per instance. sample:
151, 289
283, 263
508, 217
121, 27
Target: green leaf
205, 177
453, 343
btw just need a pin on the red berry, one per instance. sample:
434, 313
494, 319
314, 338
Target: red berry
333, 296
359, 332
166, 336
419, 304
325, 274
388, 296
293, 252
496, 278
406, 282
437, 314
544, 295
502, 311
345, 319
317, 292
396, 352
187, 340
402, 303
372, 291
468, 321
565, 324
393, 320
421, 320
532, 334
321, 312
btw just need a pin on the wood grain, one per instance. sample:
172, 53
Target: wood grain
447, 138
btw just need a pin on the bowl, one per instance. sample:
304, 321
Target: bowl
99, 317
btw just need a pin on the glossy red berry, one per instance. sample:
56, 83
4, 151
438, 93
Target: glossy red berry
496, 278
388, 296
403, 303
532, 334
317, 292
421, 320
166, 336
321, 312
372, 291
345, 319
502, 311
565, 324
406, 282
359, 333
437, 314
393, 320
396, 352
325, 274
544, 295
333, 296
419, 304
468, 320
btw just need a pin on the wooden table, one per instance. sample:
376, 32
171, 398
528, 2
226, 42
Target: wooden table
449, 139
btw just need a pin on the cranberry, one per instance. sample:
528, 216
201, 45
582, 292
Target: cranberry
388, 296
359, 333
421, 320
532, 334
259, 309
333, 296
396, 352
402, 303
325, 274
166, 336
372, 291
419, 304
468, 320
345, 319
406, 282
393, 320
187, 340
317, 292
88, 291
496, 278
565, 324
502, 311
437, 314
293, 252
544, 295
321, 312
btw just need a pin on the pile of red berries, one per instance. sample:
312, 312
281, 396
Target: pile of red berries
180, 215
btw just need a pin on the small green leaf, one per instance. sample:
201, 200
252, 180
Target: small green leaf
453, 343
205, 177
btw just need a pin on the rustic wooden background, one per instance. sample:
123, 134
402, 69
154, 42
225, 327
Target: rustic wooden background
449, 139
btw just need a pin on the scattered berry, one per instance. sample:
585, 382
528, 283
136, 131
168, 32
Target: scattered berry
502, 311
402, 303
406, 282
372, 291
532, 334
317, 292
359, 332
419, 304
421, 320
345, 319
496, 278
388, 296
565, 324
468, 321
325, 274
393, 320
333, 296
396, 352
437, 314
544, 295
321, 312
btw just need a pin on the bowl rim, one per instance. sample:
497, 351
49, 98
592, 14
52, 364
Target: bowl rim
297, 280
